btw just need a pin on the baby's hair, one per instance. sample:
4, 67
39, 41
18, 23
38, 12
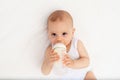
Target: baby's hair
60, 15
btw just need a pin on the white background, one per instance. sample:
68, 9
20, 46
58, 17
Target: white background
23, 37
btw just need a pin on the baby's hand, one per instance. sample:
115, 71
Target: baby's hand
53, 56
67, 61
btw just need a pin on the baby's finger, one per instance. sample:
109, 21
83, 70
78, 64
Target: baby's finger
67, 55
66, 58
66, 62
55, 58
52, 51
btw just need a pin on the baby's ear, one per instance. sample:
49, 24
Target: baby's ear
73, 31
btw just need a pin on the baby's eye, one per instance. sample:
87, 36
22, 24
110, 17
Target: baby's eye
53, 34
64, 34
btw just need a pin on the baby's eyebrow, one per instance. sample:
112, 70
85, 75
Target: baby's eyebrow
52, 32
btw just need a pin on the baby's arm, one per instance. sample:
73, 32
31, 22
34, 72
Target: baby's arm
49, 59
81, 62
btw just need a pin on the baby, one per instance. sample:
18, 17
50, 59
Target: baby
60, 30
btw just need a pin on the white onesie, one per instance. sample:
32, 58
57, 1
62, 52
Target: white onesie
74, 74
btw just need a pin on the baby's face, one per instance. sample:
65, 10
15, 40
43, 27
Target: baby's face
60, 31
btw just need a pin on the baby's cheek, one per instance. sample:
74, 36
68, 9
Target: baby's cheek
67, 42
52, 40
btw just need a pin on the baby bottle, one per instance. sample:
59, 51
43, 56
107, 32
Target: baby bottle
59, 68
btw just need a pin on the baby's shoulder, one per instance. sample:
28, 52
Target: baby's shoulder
78, 41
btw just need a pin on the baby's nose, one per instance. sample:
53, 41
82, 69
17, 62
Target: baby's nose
59, 39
